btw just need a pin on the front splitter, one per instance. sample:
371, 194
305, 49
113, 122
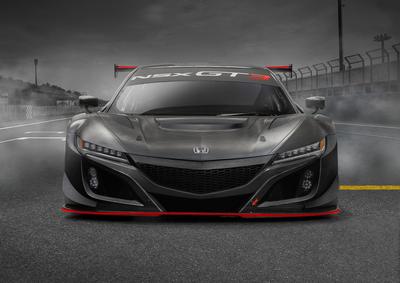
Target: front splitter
215, 214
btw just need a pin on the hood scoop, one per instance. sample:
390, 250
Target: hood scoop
205, 124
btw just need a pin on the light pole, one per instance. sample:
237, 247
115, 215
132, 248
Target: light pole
382, 38
340, 26
35, 61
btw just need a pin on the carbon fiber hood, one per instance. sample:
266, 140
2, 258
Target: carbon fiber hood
225, 137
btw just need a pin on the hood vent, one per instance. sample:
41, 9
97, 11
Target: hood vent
201, 124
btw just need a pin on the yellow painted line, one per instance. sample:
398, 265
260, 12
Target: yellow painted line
371, 188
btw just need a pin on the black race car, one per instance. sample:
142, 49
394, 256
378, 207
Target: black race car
201, 140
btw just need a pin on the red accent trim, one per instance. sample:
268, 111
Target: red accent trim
286, 68
124, 67
279, 67
226, 214
254, 202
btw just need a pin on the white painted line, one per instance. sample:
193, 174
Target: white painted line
31, 124
368, 125
33, 138
45, 132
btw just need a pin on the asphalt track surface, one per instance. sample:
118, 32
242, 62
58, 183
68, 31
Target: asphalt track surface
38, 243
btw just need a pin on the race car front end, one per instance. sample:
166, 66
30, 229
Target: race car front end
292, 183
201, 140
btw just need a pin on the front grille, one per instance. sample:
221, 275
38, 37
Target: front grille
200, 181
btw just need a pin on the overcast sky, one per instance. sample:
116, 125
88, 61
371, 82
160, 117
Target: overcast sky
77, 42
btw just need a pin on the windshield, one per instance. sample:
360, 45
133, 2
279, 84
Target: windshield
202, 98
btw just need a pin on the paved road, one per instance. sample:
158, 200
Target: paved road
38, 243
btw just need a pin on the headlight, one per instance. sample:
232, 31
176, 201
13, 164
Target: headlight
101, 151
314, 149
71, 134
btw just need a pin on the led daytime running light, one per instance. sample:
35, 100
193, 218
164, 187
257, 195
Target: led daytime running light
99, 149
314, 148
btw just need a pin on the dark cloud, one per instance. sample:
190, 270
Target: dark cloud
78, 41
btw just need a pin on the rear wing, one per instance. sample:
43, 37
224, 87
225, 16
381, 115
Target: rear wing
123, 68
281, 69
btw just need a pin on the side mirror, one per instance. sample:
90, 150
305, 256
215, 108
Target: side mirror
87, 101
316, 103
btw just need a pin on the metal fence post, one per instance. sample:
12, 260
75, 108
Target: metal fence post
386, 53
345, 58
396, 48
318, 68
301, 80
371, 66
333, 64
306, 71
355, 59
377, 54
287, 76
316, 77
295, 77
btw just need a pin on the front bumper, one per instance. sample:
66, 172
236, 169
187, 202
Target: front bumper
250, 200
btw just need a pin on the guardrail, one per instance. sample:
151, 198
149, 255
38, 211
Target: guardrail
28, 112
368, 68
